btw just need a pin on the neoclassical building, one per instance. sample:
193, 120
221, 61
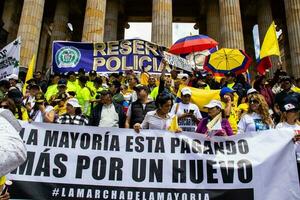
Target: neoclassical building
39, 22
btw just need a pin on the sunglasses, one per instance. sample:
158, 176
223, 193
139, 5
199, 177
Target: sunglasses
253, 102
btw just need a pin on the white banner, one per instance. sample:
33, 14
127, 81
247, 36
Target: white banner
10, 59
178, 62
81, 162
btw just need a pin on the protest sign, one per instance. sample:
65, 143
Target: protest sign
178, 62
112, 56
81, 162
10, 58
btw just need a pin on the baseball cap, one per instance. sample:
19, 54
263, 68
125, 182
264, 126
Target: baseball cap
39, 97
73, 102
214, 103
251, 91
185, 91
285, 78
13, 76
225, 90
291, 106
93, 72
230, 74
62, 82
140, 87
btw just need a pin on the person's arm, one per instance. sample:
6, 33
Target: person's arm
128, 117
161, 86
12, 148
227, 108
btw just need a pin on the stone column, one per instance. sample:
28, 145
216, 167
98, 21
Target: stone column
30, 29
111, 20
93, 28
60, 20
162, 22
41, 58
292, 11
9, 11
213, 20
231, 24
264, 19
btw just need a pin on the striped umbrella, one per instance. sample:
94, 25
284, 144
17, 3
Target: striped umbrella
227, 60
192, 43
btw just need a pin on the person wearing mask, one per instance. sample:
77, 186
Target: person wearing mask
188, 113
107, 113
73, 114
138, 109
230, 107
257, 118
216, 124
12, 147
41, 111
158, 119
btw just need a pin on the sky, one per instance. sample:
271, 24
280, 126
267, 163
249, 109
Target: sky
143, 31
180, 30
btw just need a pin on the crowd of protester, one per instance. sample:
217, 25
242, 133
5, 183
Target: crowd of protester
149, 101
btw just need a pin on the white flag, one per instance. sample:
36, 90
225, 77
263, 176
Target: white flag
10, 59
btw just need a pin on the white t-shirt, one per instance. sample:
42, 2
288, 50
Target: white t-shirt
109, 116
294, 127
186, 124
251, 122
286, 125
153, 121
38, 117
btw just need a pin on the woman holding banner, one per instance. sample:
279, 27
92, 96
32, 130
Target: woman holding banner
216, 123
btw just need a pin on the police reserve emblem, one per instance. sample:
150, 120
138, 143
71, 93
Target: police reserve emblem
67, 56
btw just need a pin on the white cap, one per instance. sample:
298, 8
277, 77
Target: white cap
185, 91
12, 76
73, 102
214, 103
251, 90
185, 76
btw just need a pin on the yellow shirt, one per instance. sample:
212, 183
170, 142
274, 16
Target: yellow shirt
2, 180
242, 108
84, 96
60, 110
230, 85
51, 90
72, 86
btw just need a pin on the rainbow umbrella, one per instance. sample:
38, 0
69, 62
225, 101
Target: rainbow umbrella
227, 60
192, 43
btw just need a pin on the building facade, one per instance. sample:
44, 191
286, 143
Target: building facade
230, 22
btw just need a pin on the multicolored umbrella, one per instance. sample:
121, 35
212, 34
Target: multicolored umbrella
227, 60
192, 43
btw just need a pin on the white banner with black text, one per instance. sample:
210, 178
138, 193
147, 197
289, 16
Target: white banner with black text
82, 162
